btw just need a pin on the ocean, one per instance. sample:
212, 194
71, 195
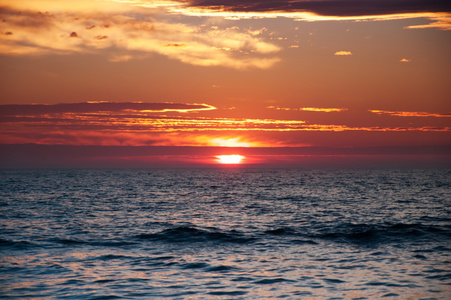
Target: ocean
225, 233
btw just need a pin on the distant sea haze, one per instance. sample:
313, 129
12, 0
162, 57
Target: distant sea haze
225, 233
92, 156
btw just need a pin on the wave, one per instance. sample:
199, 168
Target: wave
4, 243
362, 234
358, 234
78, 242
191, 234
369, 234
383, 233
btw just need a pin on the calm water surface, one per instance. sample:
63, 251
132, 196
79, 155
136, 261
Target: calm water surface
225, 234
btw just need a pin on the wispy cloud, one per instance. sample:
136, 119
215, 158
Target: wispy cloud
440, 21
132, 123
410, 114
97, 107
312, 109
318, 109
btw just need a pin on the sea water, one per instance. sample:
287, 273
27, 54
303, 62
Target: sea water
227, 233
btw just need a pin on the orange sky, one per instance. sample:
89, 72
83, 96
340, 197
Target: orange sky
371, 77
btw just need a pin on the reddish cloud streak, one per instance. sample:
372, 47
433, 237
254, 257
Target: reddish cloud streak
97, 107
312, 109
410, 114
134, 123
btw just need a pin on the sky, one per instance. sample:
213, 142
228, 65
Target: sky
178, 83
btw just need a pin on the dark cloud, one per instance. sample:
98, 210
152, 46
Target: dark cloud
73, 35
101, 37
92, 107
329, 7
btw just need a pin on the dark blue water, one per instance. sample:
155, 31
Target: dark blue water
225, 234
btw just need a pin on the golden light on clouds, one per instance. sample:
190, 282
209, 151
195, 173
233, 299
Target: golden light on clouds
410, 114
64, 29
322, 109
440, 20
343, 53
312, 109
134, 123
229, 142
139, 28
437, 20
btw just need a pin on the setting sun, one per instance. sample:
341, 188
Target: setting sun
230, 159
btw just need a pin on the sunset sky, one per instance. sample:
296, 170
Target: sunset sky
142, 83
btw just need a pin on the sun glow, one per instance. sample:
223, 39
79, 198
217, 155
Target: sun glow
229, 142
230, 159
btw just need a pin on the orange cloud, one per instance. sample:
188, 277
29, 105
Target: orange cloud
322, 109
97, 107
226, 141
122, 134
313, 109
410, 114
440, 21
343, 53
134, 123
120, 58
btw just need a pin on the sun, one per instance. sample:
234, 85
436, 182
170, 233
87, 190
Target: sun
230, 159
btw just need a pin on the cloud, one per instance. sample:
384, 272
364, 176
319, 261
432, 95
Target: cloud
410, 114
437, 11
312, 109
405, 60
129, 31
326, 7
343, 53
120, 58
176, 45
134, 123
135, 31
97, 107
322, 109
440, 21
